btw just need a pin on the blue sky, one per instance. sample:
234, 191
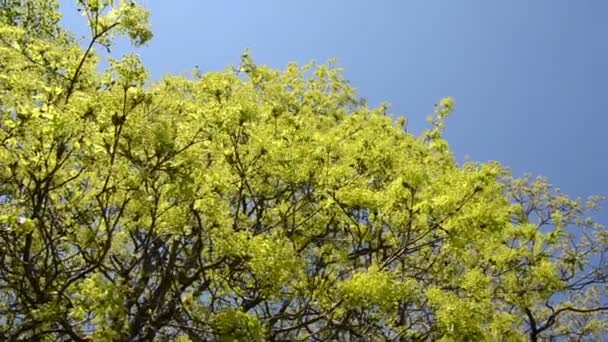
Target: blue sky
529, 77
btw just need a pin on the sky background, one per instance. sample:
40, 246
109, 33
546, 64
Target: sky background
529, 77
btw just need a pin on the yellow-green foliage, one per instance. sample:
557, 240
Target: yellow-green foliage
259, 204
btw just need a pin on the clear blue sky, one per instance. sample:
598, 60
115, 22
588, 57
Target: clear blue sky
529, 77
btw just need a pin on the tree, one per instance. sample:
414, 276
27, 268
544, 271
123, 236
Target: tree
256, 204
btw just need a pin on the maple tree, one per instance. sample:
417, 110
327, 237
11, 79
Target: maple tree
256, 204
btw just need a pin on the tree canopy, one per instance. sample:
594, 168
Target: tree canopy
260, 204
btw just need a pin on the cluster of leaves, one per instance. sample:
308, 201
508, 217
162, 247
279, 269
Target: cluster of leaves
256, 204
